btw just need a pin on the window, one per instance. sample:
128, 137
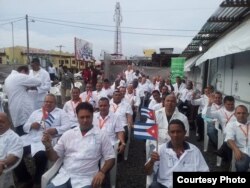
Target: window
66, 61
73, 62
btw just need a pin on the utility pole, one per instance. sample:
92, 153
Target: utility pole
60, 50
13, 56
27, 36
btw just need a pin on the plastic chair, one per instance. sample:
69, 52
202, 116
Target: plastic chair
220, 141
47, 176
149, 178
113, 171
6, 179
206, 138
127, 144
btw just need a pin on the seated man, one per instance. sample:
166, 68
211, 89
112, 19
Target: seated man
11, 148
81, 149
49, 119
175, 155
237, 138
70, 106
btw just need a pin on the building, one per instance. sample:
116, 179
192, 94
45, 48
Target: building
18, 55
219, 54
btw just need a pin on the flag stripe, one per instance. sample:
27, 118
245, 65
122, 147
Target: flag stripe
144, 137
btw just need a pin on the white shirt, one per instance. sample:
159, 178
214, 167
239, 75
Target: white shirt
122, 109
21, 104
111, 125
134, 100
186, 94
239, 133
108, 92
10, 144
129, 74
52, 70
81, 156
191, 160
43, 89
33, 138
223, 116
70, 108
89, 97
177, 89
161, 120
202, 103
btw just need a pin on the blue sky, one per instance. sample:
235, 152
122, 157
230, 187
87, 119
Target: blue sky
179, 21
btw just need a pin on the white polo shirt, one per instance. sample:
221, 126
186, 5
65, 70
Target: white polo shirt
122, 109
161, 120
70, 108
10, 143
239, 133
111, 125
81, 156
33, 138
191, 160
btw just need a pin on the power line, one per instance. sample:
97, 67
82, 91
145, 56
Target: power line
97, 29
11, 22
10, 19
125, 27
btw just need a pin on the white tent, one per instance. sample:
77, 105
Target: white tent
238, 40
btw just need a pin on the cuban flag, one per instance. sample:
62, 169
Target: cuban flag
148, 113
146, 131
50, 119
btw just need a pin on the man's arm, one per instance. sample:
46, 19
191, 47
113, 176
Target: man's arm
50, 152
150, 164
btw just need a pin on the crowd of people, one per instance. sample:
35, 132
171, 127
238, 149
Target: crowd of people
84, 131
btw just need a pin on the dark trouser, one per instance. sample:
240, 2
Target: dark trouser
40, 159
19, 130
242, 165
200, 126
155, 184
225, 152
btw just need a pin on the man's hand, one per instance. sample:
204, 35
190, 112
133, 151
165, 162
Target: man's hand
51, 131
121, 148
155, 156
35, 125
98, 179
46, 140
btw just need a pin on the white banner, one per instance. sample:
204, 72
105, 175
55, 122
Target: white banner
83, 49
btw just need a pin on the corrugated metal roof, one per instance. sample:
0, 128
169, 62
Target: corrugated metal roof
229, 14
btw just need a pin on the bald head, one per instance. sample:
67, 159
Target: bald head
170, 104
4, 123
